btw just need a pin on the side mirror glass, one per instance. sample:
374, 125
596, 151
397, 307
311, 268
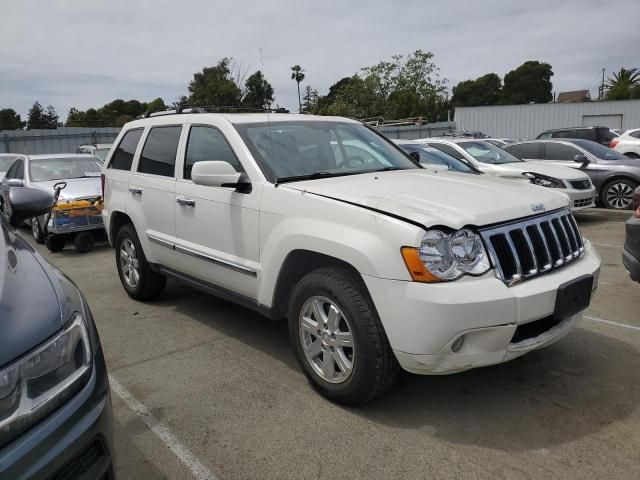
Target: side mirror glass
581, 159
25, 203
216, 174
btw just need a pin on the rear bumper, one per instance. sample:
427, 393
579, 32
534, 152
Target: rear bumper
632, 264
76, 441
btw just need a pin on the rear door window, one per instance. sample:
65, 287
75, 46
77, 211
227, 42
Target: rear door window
559, 151
564, 134
159, 153
532, 151
16, 170
635, 134
123, 156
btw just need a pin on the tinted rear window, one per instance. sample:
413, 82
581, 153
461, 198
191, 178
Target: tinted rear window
123, 156
159, 152
525, 150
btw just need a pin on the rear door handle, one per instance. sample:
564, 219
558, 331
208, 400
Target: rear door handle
135, 190
186, 202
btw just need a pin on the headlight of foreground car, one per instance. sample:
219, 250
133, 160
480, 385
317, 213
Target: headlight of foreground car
443, 256
44, 379
544, 180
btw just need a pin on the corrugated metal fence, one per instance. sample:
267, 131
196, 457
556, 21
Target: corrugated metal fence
412, 132
60, 140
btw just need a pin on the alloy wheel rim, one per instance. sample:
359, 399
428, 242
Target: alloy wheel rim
620, 195
326, 338
129, 263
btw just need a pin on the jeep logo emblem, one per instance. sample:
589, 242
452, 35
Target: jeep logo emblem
537, 207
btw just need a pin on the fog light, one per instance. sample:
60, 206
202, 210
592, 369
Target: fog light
457, 345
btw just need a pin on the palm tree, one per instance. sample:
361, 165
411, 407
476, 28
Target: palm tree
619, 85
298, 76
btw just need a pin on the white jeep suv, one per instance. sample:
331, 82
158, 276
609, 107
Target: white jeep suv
376, 262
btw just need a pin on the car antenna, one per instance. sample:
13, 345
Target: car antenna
264, 101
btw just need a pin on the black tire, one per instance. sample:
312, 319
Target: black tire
618, 185
84, 242
36, 230
374, 366
55, 243
150, 284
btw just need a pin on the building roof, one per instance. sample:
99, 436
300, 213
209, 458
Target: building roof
574, 96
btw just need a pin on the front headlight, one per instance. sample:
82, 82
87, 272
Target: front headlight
44, 379
544, 180
446, 256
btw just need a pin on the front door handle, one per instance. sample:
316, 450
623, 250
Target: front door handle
135, 190
186, 202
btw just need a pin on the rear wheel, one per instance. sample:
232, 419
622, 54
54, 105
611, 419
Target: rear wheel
84, 242
55, 243
338, 338
618, 194
136, 276
36, 231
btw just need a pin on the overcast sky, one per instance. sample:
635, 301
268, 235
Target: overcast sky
85, 53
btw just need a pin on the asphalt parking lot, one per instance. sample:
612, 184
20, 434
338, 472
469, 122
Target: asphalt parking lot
206, 389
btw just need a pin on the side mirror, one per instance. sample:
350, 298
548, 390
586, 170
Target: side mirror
25, 203
216, 174
415, 156
15, 182
581, 159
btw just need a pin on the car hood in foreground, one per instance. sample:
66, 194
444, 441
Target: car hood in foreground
438, 198
29, 308
518, 168
88, 187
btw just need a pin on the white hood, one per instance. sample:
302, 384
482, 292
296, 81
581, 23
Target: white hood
438, 198
516, 169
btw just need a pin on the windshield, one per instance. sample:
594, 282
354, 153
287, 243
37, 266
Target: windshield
600, 151
6, 162
487, 153
288, 151
48, 169
430, 156
101, 153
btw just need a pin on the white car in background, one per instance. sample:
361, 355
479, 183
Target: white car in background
493, 160
628, 143
6, 160
100, 150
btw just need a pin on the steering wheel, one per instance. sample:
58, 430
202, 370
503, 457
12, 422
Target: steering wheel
352, 162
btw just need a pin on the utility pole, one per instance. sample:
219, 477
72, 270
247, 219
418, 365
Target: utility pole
601, 89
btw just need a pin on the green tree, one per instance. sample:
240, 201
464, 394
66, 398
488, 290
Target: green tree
529, 83
215, 86
156, 105
258, 91
298, 75
483, 90
42, 118
309, 99
10, 120
622, 85
75, 118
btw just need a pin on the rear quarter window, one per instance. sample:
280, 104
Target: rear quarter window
122, 157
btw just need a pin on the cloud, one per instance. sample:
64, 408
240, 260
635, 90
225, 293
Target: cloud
77, 53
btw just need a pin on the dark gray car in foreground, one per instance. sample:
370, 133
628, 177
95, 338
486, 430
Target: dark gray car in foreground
614, 175
55, 405
631, 251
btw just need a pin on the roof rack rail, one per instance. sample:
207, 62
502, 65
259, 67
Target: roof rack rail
211, 109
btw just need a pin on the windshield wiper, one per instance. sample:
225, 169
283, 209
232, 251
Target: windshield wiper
314, 175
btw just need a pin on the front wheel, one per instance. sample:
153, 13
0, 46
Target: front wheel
136, 276
618, 194
338, 338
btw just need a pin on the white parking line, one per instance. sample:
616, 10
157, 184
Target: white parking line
197, 468
609, 322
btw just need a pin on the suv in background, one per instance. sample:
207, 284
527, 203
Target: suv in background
614, 175
601, 135
326, 222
